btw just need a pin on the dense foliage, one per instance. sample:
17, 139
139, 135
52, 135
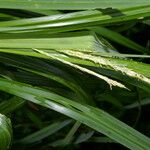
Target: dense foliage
74, 74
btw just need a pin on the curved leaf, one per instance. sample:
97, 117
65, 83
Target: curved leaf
5, 132
90, 116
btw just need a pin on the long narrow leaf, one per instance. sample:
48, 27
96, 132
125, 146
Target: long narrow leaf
92, 117
70, 5
75, 20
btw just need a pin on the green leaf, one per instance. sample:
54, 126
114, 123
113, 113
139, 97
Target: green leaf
116, 37
75, 21
45, 132
69, 136
10, 105
126, 69
90, 116
122, 69
5, 133
70, 5
86, 42
46, 70
109, 81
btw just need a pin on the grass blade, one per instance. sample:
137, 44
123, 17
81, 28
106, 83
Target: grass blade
75, 21
92, 117
45, 132
67, 5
